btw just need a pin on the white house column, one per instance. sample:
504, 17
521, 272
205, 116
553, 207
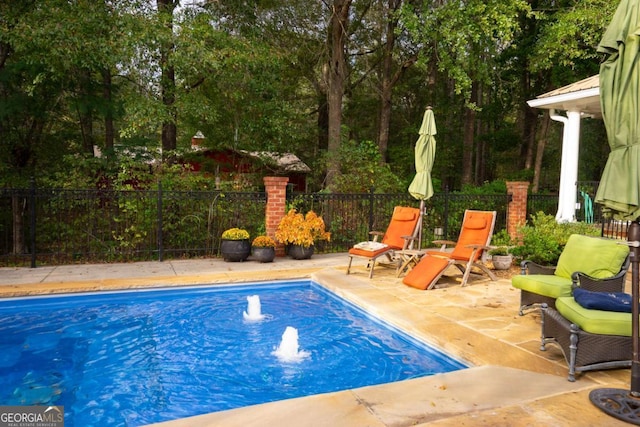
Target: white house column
569, 167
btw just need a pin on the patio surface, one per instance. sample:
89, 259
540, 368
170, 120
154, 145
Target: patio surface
511, 382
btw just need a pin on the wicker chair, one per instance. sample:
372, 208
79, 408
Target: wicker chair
530, 300
586, 351
577, 266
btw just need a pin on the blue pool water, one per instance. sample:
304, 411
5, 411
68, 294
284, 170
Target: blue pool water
138, 357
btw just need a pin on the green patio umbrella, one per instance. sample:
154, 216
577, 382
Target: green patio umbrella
421, 188
619, 190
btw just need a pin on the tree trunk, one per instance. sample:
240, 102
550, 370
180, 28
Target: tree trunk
337, 76
168, 78
389, 79
387, 85
530, 122
109, 132
18, 225
542, 142
85, 110
468, 138
323, 122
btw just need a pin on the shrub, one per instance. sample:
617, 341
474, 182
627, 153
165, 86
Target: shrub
543, 240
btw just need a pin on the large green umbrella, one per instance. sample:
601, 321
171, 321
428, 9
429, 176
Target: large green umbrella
421, 188
619, 190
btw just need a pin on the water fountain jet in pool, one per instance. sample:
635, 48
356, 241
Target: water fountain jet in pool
253, 313
288, 351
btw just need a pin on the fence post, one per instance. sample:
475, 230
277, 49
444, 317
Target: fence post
517, 208
160, 242
32, 220
276, 189
445, 231
371, 202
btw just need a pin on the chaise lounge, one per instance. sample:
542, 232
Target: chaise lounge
591, 262
475, 236
400, 234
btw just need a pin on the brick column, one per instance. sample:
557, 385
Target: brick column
517, 210
276, 188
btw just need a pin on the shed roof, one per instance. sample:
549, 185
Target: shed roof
286, 162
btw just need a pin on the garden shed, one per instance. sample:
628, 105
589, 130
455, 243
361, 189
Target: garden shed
249, 167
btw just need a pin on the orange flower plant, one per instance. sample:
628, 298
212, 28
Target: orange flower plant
303, 230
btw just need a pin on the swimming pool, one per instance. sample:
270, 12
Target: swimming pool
138, 357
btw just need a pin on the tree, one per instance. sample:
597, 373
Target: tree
336, 76
166, 9
390, 77
557, 48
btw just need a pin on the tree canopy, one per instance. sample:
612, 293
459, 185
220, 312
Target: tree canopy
328, 81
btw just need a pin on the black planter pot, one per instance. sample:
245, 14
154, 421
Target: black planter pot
262, 254
235, 250
300, 252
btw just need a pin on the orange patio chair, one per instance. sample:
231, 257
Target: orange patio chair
401, 233
474, 239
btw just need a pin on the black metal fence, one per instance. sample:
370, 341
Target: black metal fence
69, 226
350, 217
586, 209
59, 226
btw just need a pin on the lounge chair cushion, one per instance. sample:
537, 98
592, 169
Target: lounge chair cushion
423, 274
594, 321
403, 224
548, 285
476, 230
607, 301
368, 253
475, 223
595, 257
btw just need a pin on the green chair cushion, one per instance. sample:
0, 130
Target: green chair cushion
596, 257
548, 285
594, 321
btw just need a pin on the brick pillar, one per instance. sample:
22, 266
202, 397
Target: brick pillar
276, 188
517, 210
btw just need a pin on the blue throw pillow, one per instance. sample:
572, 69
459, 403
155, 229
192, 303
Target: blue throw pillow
606, 301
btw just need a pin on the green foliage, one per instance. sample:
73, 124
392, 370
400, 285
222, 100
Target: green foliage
493, 187
502, 243
502, 238
362, 168
249, 81
544, 239
565, 31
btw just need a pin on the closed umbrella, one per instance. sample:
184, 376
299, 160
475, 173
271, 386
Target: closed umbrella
619, 190
421, 188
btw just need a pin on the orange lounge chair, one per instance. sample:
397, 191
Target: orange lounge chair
401, 233
474, 239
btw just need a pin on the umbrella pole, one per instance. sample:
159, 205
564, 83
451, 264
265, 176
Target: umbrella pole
625, 404
421, 224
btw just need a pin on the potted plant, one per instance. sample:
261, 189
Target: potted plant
263, 249
300, 232
235, 245
501, 258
